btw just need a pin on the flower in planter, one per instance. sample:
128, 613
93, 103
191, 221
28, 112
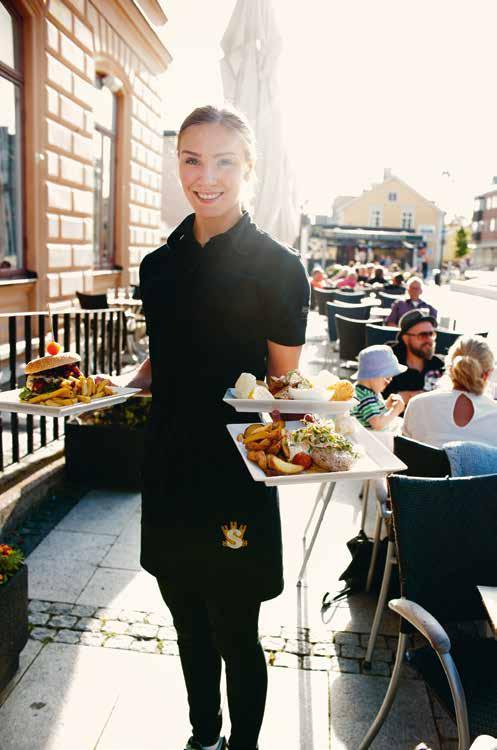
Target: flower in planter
11, 560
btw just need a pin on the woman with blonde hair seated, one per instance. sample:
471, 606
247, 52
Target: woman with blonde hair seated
463, 411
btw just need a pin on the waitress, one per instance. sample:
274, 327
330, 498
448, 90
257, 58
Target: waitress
220, 298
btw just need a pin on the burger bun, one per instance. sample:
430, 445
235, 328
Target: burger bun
50, 362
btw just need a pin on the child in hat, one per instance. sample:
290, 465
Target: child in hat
377, 366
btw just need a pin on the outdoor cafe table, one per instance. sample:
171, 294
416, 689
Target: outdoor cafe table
376, 461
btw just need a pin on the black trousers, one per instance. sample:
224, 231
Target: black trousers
210, 628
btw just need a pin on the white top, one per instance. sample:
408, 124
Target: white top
429, 418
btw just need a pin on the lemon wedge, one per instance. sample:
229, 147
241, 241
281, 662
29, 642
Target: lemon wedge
261, 393
245, 385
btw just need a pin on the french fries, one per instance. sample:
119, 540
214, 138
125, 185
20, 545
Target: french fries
267, 446
74, 390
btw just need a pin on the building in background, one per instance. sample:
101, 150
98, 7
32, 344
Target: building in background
393, 204
484, 251
80, 146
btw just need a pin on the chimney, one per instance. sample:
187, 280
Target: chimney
387, 173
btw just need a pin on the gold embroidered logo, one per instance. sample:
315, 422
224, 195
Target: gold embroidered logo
233, 537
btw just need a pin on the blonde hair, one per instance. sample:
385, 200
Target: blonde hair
469, 358
230, 118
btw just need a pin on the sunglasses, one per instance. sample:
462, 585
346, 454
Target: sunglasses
423, 334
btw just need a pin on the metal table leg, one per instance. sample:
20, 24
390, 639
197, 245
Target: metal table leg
324, 497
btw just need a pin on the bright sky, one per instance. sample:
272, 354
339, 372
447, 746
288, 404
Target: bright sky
364, 85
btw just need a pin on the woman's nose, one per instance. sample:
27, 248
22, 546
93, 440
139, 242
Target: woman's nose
209, 174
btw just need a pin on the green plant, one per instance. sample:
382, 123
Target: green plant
134, 414
461, 243
11, 560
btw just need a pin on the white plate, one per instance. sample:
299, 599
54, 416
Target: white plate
376, 460
9, 401
287, 406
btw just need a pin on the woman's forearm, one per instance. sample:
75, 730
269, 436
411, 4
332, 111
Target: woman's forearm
142, 378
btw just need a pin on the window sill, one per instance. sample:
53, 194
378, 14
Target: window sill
12, 282
106, 272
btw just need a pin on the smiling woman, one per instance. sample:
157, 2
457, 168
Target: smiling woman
222, 297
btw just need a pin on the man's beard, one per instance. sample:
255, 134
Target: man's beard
423, 352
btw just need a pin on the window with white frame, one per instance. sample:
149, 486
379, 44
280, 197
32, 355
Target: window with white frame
375, 217
392, 197
407, 218
492, 225
11, 92
104, 141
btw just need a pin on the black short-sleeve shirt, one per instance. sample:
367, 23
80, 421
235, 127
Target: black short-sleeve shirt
415, 380
210, 312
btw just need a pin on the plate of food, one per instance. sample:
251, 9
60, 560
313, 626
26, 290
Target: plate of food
312, 450
55, 387
321, 394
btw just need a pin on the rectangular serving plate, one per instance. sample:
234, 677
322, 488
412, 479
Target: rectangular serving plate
375, 462
9, 401
288, 406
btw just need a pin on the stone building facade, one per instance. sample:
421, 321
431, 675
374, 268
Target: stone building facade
85, 133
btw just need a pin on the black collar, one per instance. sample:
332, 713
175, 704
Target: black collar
235, 238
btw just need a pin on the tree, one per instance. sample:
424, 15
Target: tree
461, 243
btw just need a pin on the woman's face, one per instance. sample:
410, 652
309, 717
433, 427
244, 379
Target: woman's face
213, 170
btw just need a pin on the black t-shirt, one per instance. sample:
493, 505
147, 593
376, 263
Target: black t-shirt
211, 310
414, 380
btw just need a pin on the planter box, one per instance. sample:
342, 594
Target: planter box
104, 455
13, 623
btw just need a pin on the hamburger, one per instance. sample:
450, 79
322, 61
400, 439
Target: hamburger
45, 374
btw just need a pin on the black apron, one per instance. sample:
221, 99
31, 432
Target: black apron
205, 522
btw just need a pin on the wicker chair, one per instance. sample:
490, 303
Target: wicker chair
376, 334
445, 531
358, 312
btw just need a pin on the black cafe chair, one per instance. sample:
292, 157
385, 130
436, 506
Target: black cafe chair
387, 300
358, 312
351, 339
445, 532
446, 338
321, 297
92, 301
422, 460
397, 291
376, 334
340, 295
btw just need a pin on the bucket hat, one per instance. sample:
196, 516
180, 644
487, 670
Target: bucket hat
378, 362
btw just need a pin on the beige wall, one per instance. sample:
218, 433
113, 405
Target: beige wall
425, 213
65, 43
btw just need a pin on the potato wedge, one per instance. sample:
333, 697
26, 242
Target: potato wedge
275, 448
251, 428
284, 446
262, 460
283, 467
257, 445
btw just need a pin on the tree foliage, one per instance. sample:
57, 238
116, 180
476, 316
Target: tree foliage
461, 243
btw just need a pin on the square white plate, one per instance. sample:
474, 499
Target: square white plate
376, 460
9, 401
288, 406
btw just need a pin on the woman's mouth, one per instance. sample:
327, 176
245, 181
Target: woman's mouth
207, 197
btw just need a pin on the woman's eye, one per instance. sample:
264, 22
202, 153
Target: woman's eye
225, 162
191, 160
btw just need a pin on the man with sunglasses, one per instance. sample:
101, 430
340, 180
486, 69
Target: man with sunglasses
415, 348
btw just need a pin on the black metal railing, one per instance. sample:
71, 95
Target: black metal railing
98, 336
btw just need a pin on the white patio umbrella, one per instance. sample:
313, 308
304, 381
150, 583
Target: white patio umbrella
252, 46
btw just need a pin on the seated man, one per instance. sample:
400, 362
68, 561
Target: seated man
413, 301
415, 347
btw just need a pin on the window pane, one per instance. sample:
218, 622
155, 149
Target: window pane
103, 199
104, 108
10, 206
6, 37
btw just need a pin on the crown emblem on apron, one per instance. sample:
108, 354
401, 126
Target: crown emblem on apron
233, 536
